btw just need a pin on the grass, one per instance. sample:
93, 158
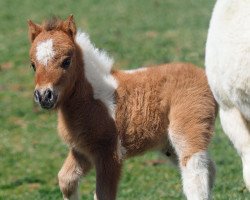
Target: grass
135, 33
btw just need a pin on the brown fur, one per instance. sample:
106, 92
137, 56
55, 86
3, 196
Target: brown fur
152, 106
170, 96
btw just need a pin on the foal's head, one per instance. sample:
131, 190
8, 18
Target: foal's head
53, 58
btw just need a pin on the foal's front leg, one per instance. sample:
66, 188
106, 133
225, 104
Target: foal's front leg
73, 168
108, 169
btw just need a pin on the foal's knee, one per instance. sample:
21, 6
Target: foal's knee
68, 183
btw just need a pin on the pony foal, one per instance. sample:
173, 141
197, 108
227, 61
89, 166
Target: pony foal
107, 115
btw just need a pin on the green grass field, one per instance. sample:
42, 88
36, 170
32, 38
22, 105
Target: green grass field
135, 33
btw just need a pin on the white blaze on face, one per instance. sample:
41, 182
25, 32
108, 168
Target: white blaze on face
45, 52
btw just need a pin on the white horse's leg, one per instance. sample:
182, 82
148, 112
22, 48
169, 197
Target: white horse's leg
238, 131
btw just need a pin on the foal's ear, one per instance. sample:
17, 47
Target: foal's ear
69, 26
34, 30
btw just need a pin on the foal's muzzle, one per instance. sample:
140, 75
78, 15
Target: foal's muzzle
46, 99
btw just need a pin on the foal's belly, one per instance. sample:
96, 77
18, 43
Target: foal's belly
138, 143
142, 127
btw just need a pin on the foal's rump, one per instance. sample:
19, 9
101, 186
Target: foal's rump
192, 120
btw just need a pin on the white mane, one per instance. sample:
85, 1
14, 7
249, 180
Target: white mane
97, 66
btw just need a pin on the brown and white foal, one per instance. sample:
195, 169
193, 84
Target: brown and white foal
107, 115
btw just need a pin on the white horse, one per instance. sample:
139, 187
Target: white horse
228, 71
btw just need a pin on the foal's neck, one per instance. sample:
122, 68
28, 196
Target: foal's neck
95, 86
81, 112
80, 97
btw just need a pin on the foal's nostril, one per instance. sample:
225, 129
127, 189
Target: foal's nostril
48, 95
37, 96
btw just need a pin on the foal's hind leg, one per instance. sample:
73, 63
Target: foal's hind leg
197, 169
73, 168
238, 130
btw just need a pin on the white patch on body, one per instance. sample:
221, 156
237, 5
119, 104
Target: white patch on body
45, 52
198, 176
132, 71
97, 65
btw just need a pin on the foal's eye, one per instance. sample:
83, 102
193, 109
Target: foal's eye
66, 63
33, 66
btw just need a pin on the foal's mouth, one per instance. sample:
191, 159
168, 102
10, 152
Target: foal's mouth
46, 99
47, 105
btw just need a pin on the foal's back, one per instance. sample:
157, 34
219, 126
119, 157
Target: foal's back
151, 102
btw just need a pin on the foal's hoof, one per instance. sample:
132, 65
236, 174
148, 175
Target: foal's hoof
95, 197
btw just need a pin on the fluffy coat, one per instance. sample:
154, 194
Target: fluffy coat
107, 115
